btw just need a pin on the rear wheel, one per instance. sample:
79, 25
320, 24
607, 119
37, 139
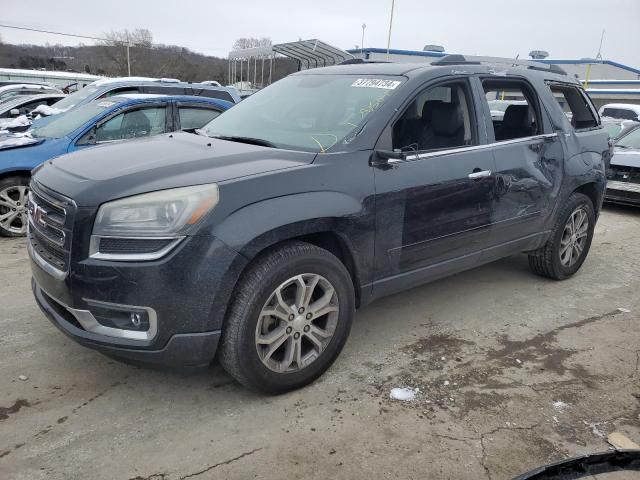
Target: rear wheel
290, 318
568, 246
13, 206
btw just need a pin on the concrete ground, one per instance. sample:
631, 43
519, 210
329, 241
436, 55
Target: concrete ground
514, 371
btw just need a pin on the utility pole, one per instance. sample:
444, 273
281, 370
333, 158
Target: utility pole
128, 56
393, 2
364, 25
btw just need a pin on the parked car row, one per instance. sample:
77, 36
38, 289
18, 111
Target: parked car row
623, 185
254, 240
105, 111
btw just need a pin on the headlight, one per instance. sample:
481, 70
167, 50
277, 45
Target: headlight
147, 226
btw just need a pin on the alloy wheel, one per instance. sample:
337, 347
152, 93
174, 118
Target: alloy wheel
13, 209
574, 237
297, 323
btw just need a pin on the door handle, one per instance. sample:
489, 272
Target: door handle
480, 174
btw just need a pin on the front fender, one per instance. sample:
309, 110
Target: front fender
253, 228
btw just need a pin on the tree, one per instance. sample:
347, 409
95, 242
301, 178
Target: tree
251, 42
115, 46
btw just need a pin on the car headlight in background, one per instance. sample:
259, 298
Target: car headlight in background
148, 226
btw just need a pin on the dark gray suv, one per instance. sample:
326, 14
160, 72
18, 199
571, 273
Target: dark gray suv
257, 240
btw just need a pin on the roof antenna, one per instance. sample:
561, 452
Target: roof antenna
599, 54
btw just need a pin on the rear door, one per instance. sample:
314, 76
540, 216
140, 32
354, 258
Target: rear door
433, 208
528, 165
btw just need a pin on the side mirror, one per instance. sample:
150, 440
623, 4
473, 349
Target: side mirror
385, 157
88, 138
14, 112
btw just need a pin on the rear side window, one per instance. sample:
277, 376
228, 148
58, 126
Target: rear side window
221, 94
196, 117
576, 105
621, 113
514, 109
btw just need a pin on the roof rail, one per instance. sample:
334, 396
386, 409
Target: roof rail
513, 62
355, 61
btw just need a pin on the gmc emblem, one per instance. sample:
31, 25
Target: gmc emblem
37, 214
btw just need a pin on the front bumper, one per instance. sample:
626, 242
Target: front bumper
184, 294
627, 193
182, 350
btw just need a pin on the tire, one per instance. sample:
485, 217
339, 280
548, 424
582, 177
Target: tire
248, 361
551, 260
13, 202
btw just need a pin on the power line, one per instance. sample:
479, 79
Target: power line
94, 38
58, 33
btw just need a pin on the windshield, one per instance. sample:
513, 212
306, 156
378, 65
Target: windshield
313, 113
630, 140
63, 125
76, 97
10, 102
613, 129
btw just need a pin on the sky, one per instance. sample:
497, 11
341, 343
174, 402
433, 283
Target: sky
567, 29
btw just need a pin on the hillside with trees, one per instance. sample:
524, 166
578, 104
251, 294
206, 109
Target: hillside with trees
147, 59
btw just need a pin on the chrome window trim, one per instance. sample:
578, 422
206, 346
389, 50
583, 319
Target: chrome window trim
94, 249
451, 151
90, 324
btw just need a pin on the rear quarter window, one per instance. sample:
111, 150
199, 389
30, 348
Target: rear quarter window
221, 94
576, 105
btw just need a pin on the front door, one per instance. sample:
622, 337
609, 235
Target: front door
433, 207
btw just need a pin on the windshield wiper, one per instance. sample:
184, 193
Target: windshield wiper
249, 140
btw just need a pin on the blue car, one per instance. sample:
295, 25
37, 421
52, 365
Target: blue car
109, 87
98, 122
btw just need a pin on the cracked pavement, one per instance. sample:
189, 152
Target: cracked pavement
513, 371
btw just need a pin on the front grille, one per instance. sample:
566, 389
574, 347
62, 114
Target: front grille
623, 173
50, 225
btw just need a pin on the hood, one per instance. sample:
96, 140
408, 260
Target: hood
18, 140
623, 157
30, 154
98, 174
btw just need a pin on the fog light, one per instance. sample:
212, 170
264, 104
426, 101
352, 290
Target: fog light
136, 320
124, 318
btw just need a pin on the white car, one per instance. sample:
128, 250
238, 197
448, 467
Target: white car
623, 111
26, 89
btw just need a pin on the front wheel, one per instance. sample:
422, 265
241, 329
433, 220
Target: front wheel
570, 240
290, 318
13, 206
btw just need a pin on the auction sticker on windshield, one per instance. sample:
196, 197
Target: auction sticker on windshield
376, 83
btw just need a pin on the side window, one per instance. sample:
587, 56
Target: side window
514, 109
121, 91
31, 105
166, 90
141, 122
440, 117
575, 105
196, 117
209, 93
620, 113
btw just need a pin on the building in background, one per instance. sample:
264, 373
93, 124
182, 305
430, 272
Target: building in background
71, 80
